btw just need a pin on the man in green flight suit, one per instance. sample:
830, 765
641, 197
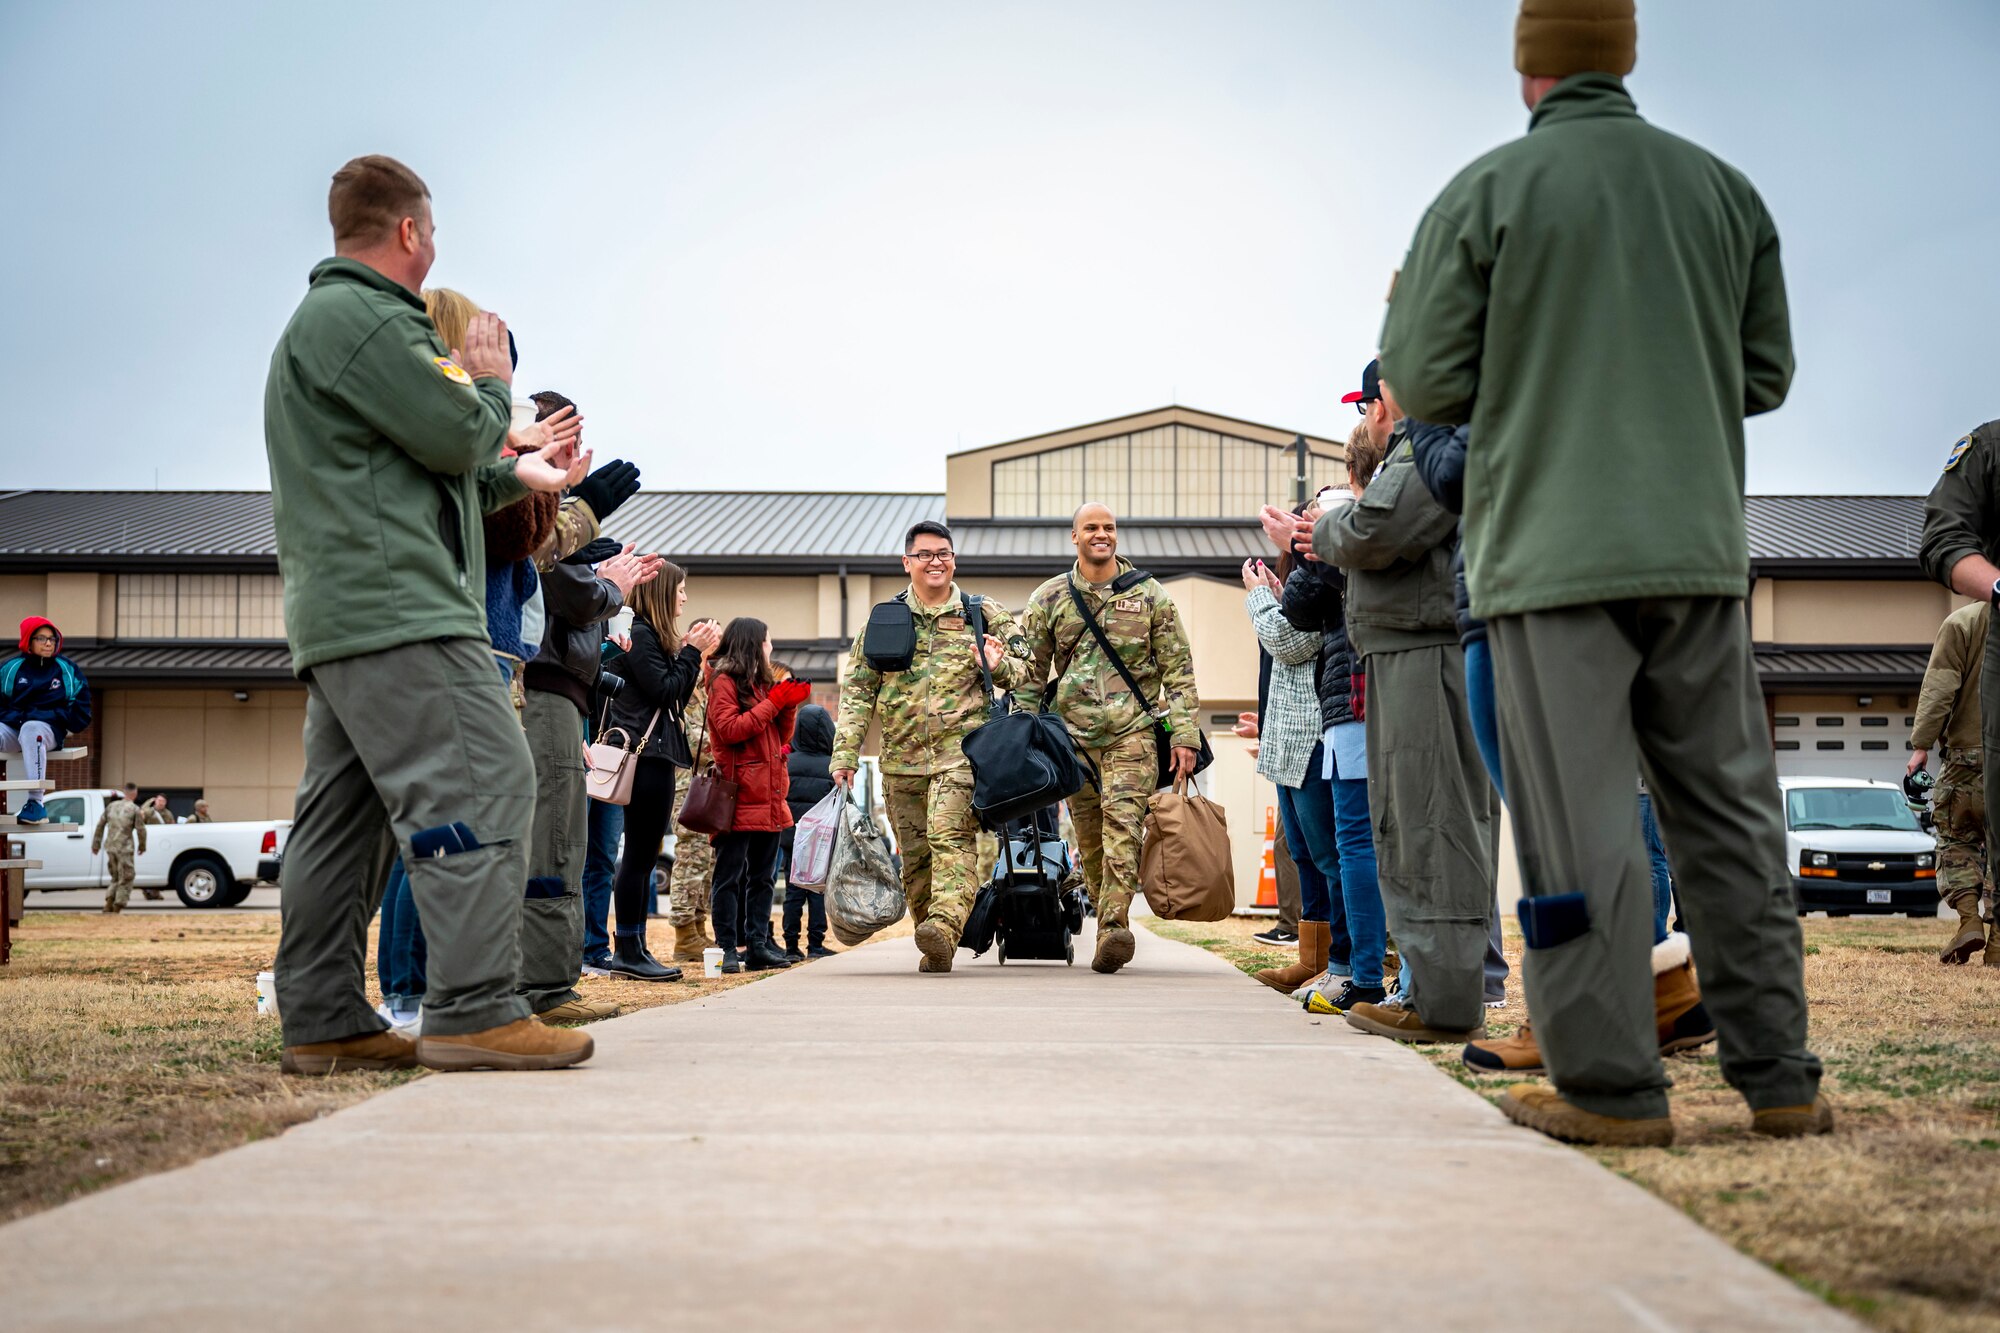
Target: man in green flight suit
926, 709
1110, 725
384, 449
1961, 549
1636, 315
1948, 721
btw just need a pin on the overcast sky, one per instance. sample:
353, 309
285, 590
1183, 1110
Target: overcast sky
822, 245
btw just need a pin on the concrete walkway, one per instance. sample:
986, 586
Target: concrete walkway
1023, 1147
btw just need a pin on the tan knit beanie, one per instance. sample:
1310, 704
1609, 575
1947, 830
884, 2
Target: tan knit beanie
1558, 38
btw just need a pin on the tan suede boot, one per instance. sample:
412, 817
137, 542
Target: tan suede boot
1793, 1122
372, 1050
523, 1044
1992, 958
1315, 938
1542, 1108
1971, 936
689, 942
1682, 1020
701, 929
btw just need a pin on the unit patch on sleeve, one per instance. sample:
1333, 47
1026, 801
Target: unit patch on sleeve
452, 371
1957, 452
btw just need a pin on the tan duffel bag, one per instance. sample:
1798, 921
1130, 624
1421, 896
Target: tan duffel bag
1185, 867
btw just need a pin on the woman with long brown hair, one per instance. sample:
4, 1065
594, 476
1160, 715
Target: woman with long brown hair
661, 669
750, 718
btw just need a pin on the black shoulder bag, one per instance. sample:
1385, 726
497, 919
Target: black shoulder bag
1021, 762
1162, 735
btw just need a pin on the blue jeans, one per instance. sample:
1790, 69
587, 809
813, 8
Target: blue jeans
1663, 879
600, 863
400, 953
1330, 888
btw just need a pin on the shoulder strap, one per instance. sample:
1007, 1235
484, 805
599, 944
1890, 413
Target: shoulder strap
1124, 672
976, 622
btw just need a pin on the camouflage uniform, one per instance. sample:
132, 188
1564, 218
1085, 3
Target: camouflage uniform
151, 814
199, 818
694, 854
1948, 720
116, 828
1111, 728
925, 712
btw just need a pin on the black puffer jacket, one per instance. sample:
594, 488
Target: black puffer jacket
810, 763
1312, 601
1440, 452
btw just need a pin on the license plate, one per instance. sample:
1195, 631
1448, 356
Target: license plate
1878, 895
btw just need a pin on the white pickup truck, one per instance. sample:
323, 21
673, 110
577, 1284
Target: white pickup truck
208, 865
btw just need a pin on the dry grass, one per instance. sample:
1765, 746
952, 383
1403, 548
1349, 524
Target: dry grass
1892, 1217
131, 1045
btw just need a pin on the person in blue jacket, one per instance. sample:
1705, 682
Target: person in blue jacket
43, 698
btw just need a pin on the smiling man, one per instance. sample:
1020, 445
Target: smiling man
929, 693
1111, 725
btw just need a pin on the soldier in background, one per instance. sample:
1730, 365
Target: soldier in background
694, 854
1112, 728
925, 712
1948, 721
155, 812
1960, 547
201, 815
121, 822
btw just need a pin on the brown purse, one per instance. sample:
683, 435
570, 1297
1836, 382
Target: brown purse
710, 804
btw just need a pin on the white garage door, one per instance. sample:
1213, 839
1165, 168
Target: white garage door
1837, 743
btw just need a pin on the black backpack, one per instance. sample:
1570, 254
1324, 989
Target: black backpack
1021, 762
889, 643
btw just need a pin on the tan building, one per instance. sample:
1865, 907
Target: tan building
172, 604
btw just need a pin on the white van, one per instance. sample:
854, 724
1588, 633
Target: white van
1853, 845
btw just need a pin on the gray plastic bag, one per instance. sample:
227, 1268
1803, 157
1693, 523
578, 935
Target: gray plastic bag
863, 892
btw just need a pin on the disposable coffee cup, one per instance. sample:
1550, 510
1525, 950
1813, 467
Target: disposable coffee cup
267, 994
711, 962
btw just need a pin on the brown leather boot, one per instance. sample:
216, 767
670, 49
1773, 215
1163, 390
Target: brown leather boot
1682, 1020
701, 929
1793, 1122
523, 1044
1992, 958
371, 1050
688, 943
1315, 938
1518, 1054
1971, 936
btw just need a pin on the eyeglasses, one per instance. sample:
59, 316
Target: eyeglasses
932, 557
1362, 406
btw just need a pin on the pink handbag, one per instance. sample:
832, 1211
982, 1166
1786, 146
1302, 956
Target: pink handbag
609, 768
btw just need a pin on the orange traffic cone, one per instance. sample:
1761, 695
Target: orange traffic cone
1267, 877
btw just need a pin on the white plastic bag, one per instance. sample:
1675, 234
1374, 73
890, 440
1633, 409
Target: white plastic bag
812, 841
863, 892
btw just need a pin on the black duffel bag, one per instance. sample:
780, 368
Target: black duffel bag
1021, 762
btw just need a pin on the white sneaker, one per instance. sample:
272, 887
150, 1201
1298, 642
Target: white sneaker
403, 1022
1326, 988
1314, 984
599, 970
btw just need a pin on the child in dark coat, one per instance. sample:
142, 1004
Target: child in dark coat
43, 698
811, 767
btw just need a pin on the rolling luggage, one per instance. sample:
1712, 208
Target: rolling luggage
1034, 905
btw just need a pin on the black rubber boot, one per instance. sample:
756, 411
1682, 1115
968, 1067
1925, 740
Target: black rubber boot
792, 954
763, 956
630, 959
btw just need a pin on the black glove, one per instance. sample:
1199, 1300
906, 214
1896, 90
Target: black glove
608, 487
600, 550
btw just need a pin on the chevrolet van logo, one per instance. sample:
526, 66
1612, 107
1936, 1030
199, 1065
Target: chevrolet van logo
1878, 865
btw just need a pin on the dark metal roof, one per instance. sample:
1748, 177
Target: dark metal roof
210, 663
1783, 670
1850, 529
810, 659
781, 531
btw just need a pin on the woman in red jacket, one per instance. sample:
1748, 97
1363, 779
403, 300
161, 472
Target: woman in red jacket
750, 715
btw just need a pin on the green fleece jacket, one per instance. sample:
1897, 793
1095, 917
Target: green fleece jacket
384, 457
1603, 302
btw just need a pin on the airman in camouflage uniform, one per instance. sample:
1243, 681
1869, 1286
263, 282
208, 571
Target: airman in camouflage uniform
121, 822
1111, 728
925, 712
694, 854
1948, 720
154, 812
1960, 547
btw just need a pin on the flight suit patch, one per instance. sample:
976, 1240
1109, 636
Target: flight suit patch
451, 370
